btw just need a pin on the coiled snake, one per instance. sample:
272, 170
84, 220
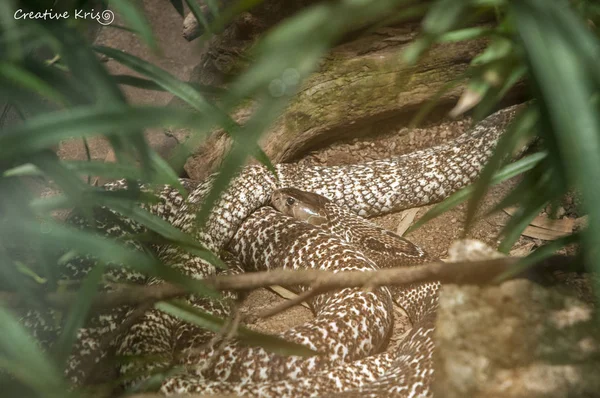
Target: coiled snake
351, 326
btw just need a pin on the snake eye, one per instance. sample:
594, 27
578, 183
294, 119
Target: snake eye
290, 201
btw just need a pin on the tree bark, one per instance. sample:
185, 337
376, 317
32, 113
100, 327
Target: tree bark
361, 86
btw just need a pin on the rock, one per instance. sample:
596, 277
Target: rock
514, 340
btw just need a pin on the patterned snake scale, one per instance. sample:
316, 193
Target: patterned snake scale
351, 326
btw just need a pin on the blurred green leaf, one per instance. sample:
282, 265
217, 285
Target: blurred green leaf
416, 49
25, 270
60, 80
102, 91
136, 19
538, 255
26, 169
22, 358
566, 88
498, 49
64, 179
104, 169
77, 314
236, 157
131, 210
148, 84
213, 7
161, 77
519, 128
494, 96
489, 3
584, 42
10, 31
22, 100
30, 81
511, 170
520, 220
44, 205
186, 92
476, 89
227, 14
13, 278
278, 50
443, 16
112, 253
432, 102
528, 188
165, 174
196, 10
178, 6
156, 224
466, 34
85, 67
48, 129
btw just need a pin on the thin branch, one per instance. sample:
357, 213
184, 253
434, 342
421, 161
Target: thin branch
124, 294
459, 273
479, 272
462, 273
287, 304
226, 334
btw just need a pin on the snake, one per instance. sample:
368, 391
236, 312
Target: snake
319, 223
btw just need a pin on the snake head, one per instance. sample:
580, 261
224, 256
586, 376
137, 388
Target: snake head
301, 205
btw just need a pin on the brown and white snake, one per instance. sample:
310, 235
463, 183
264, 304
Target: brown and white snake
351, 326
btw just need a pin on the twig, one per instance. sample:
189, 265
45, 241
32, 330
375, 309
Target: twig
287, 304
227, 332
479, 272
462, 273
125, 294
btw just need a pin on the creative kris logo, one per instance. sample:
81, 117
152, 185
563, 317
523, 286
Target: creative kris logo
105, 17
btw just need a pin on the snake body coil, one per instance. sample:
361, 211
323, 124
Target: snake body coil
351, 326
